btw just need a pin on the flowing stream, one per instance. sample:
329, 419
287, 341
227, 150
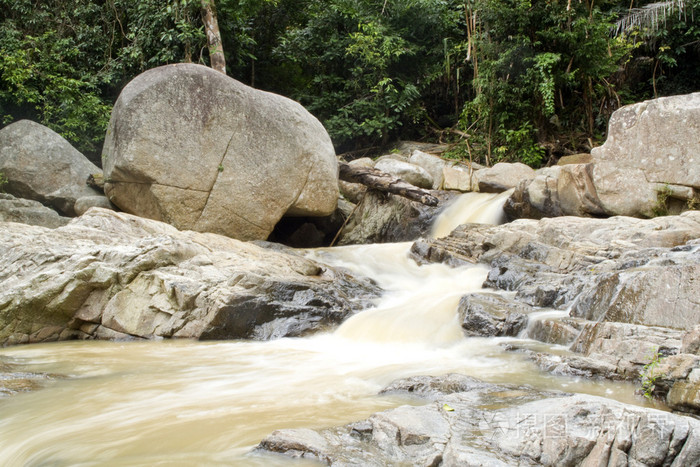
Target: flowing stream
188, 403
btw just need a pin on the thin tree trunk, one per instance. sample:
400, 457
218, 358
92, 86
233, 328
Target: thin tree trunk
211, 26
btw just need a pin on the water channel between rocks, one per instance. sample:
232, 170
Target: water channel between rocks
210, 403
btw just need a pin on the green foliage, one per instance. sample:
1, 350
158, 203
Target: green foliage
520, 145
65, 61
649, 378
371, 67
3, 182
662, 196
511, 77
543, 65
668, 48
540, 69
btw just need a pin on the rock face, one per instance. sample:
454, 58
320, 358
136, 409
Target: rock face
382, 217
491, 315
628, 289
114, 275
566, 190
647, 167
522, 427
30, 212
194, 148
40, 165
660, 136
434, 165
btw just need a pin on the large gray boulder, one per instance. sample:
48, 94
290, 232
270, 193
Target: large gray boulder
192, 147
659, 136
648, 166
114, 275
41, 165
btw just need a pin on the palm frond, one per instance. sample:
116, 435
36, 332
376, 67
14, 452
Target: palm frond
649, 18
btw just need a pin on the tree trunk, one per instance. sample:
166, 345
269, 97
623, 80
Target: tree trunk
378, 180
211, 26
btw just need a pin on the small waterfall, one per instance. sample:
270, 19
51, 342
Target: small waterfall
420, 302
475, 208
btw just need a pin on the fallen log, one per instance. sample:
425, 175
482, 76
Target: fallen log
382, 181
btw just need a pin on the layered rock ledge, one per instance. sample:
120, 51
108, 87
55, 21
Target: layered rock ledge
113, 275
627, 290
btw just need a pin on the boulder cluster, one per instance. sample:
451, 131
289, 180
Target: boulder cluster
188, 146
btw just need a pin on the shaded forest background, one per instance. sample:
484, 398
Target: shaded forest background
515, 80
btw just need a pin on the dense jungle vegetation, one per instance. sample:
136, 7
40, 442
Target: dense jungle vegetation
526, 80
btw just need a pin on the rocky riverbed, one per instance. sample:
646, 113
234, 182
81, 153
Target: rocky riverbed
588, 299
619, 296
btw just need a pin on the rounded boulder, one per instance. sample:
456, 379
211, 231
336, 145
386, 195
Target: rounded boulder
41, 165
192, 147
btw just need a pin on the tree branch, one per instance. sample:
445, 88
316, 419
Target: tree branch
378, 180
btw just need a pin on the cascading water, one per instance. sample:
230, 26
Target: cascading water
477, 208
209, 403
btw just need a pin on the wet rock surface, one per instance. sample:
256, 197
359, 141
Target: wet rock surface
628, 290
14, 379
111, 275
468, 422
383, 218
491, 315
